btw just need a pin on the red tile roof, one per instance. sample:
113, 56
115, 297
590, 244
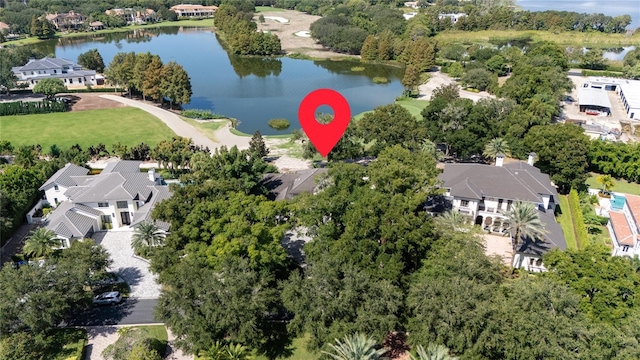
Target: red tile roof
633, 201
621, 228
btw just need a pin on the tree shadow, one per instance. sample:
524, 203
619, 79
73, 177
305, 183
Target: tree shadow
278, 343
102, 315
131, 275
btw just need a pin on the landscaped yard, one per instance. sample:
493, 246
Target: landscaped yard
261, 9
622, 186
414, 106
566, 222
67, 343
127, 125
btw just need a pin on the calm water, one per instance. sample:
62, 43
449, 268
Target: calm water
252, 90
607, 7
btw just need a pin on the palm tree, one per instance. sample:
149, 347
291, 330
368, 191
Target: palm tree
146, 234
523, 221
433, 352
41, 242
220, 351
452, 220
607, 182
237, 352
496, 146
355, 347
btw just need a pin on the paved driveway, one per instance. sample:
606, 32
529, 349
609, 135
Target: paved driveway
134, 271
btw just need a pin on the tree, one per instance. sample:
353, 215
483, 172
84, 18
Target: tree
562, 153
369, 49
41, 242
495, 147
607, 182
140, 70
410, 79
480, 79
456, 70
257, 145
523, 222
452, 220
175, 84
355, 347
151, 85
92, 60
389, 125
497, 64
594, 60
133, 344
146, 233
433, 352
49, 87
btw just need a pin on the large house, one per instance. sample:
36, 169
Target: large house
119, 197
188, 10
485, 192
624, 224
134, 16
289, 185
69, 72
67, 21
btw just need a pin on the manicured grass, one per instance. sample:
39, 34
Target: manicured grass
127, 125
188, 22
414, 106
208, 128
574, 38
566, 222
67, 344
261, 9
622, 186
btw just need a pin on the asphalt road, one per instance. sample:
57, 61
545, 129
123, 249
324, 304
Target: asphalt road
130, 311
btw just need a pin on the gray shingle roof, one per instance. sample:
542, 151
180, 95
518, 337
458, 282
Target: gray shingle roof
123, 166
144, 212
70, 221
64, 176
554, 238
113, 186
519, 181
45, 63
287, 186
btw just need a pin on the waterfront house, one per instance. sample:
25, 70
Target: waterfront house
71, 74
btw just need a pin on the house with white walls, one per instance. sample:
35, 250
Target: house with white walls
71, 74
119, 197
624, 224
485, 193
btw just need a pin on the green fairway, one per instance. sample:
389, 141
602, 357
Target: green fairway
622, 186
566, 222
414, 106
261, 9
129, 126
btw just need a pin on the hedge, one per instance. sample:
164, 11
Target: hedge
31, 107
92, 90
578, 219
602, 73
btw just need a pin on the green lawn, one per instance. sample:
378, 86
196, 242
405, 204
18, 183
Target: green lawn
261, 9
127, 125
622, 186
298, 351
414, 106
66, 343
207, 128
566, 222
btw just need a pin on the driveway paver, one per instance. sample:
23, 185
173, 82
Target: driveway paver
133, 270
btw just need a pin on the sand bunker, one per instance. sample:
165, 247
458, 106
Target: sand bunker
278, 19
304, 33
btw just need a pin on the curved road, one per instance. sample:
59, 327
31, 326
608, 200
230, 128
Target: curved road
181, 128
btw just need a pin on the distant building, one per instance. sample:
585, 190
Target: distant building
454, 16
132, 16
593, 101
4, 27
69, 72
96, 25
411, 4
628, 90
188, 10
67, 21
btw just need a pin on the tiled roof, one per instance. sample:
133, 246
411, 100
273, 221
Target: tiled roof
621, 228
553, 238
123, 166
516, 181
633, 201
4, 26
144, 212
45, 63
113, 186
71, 221
64, 176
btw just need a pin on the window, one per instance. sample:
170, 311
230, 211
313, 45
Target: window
532, 261
539, 262
464, 203
500, 204
625, 248
122, 204
55, 200
55, 71
55, 187
70, 81
79, 79
509, 204
103, 204
106, 219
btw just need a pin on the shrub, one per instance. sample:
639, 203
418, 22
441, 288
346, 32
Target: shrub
201, 114
380, 80
297, 134
299, 56
578, 218
279, 124
357, 68
31, 107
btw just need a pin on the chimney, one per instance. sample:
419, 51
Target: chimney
531, 159
152, 174
499, 159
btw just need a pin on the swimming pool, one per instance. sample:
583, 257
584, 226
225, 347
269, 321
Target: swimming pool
617, 201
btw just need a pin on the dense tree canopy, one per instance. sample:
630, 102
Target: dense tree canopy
91, 60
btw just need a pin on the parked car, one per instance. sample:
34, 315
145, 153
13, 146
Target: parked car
108, 298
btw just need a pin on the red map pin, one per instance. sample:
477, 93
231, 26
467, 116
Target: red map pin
324, 136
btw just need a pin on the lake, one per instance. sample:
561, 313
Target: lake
607, 7
252, 90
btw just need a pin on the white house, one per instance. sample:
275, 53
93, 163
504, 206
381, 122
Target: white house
69, 72
624, 225
453, 16
486, 192
119, 197
188, 10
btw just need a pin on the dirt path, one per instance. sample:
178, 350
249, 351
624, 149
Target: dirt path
286, 31
438, 79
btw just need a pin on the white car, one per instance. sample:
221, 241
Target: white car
108, 298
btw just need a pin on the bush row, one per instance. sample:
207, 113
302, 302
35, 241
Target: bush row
602, 73
31, 107
201, 114
578, 219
